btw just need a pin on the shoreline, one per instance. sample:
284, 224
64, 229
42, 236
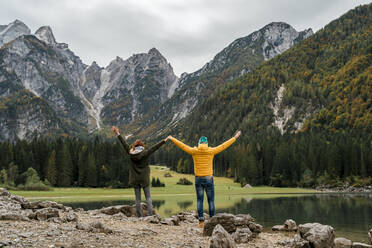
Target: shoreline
50, 224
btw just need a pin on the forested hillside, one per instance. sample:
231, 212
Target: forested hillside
319, 91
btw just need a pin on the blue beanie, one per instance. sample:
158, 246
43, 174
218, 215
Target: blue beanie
203, 140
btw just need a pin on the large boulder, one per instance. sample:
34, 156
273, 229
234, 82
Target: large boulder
46, 213
242, 235
221, 238
231, 222
343, 243
227, 221
319, 236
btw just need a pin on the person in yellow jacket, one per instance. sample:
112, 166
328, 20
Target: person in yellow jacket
203, 170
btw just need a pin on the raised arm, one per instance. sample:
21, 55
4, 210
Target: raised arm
226, 144
122, 140
153, 148
181, 145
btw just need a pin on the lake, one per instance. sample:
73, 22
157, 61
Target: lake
349, 214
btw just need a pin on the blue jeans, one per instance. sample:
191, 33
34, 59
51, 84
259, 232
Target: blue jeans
137, 192
201, 184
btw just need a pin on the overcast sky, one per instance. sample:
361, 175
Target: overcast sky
187, 32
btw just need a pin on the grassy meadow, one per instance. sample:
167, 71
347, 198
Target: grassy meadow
176, 197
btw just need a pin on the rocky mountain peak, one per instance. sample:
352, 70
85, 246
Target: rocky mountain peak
45, 34
155, 52
12, 31
278, 37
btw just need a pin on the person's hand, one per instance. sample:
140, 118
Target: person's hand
238, 133
168, 138
115, 130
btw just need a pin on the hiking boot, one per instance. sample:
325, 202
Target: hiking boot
201, 224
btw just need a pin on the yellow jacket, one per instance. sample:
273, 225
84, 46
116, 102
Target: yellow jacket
203, 155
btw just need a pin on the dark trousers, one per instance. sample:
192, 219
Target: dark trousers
137, 192
201, 184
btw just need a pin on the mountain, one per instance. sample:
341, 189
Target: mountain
75, 97
139, 93
127, 89
41, 68
237, 59
12, 31
305, 115
322, 83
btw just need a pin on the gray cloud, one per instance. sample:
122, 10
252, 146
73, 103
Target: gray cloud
187, 32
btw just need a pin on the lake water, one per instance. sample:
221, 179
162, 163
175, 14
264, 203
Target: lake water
349, 214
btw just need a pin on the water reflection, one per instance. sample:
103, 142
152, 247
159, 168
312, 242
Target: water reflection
349, 214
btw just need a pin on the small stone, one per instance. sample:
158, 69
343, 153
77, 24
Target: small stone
279, 228
46, 213
71, 216
290, 225
242, 235
361, 245
343, 243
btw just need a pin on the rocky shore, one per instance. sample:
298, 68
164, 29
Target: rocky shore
344, 189
49, 224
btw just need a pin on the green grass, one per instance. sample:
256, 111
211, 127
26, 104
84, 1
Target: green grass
176, 197
223, 185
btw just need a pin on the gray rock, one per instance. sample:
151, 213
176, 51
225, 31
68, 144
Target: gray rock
70, 216
155, 219
247, 186
13, 216
370, 237
361, 245
279, 228
46, 213
343, 243
242, 235
227, 221
96, 227
221, 238
167, 221
243, 220
290, 225
111, 210
319, 236
256, 228
299, 242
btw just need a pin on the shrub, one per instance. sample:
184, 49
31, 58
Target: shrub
184, 181
156, 183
